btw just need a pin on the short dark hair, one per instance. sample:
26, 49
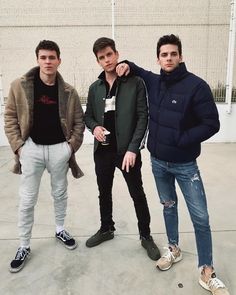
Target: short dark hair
102, 43
169, 39
48, 45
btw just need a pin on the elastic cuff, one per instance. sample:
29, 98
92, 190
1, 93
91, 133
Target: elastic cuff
59, 228
24, 245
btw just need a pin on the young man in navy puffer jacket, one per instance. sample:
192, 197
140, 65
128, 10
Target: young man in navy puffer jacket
182, 115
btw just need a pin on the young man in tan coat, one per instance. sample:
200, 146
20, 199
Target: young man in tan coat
44, 125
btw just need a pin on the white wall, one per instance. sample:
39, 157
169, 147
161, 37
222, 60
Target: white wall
227, 131
3, 139
202, 25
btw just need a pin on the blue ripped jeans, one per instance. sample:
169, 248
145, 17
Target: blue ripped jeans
189, 180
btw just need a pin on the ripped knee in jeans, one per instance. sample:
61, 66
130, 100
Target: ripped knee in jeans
168, 204
195, 177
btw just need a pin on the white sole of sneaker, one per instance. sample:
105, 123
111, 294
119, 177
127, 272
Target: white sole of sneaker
68, 247
14, 270
176, 260
203, 284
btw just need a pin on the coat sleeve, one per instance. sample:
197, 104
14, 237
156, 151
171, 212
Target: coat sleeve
12, 126
90, 121
138, 138
78, 126
206, 115
140, 72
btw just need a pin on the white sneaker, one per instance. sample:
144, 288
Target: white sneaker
211, 283
172, 255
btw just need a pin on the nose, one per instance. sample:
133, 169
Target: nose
107, 59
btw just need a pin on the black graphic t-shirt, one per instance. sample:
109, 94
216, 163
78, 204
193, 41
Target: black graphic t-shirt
46, 122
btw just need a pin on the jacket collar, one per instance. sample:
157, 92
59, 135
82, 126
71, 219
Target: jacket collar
102, 78
29, 76
178, 74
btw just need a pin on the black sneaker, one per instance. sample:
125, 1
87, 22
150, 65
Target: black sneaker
152, 250
66, 239
18, 263
99, 238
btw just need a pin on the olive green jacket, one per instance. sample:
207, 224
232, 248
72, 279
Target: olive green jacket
131, 114
19, 116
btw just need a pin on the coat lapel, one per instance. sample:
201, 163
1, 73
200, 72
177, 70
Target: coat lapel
63, 97
27, 83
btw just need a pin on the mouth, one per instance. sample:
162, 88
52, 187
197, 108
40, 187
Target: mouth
110, 67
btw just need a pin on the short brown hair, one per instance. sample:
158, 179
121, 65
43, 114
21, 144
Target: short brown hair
102, 43
47, 45
169, 39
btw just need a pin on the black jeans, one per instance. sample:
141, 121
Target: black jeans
105, 164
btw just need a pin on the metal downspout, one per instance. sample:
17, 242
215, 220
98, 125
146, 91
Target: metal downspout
230, 61
113, 18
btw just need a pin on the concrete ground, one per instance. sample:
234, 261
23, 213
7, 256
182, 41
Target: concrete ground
119, 266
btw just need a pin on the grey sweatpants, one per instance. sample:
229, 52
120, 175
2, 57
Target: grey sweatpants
35, 159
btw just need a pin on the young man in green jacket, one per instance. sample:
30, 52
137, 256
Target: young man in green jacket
118, 105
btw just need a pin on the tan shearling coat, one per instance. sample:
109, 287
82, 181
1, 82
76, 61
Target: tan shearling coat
19, 116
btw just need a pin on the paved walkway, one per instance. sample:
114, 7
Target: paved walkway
119, 266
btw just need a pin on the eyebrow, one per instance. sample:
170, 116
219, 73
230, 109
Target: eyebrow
172, 52
45, 56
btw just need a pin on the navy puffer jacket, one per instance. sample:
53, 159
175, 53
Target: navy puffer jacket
182, 113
